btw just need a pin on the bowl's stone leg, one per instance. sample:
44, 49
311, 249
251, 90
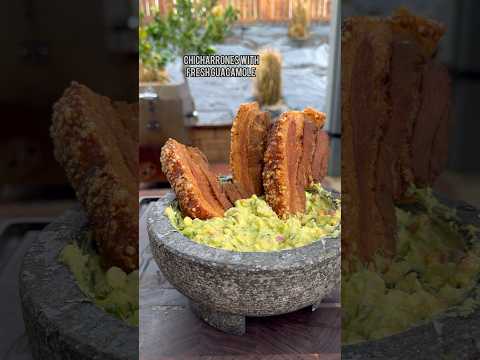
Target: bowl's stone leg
228, 323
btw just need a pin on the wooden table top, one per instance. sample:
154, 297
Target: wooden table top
169, 330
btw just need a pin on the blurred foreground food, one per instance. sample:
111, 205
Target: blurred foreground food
395, 123
96, 142
406, 257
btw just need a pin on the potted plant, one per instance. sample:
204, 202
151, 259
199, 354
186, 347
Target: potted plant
189, 27
268, 82
152, 54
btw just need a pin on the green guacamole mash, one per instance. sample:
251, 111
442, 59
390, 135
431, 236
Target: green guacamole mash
436, 269
114, 291
251, 225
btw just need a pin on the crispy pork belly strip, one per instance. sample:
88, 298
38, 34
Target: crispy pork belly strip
201, 161
426, 32
406, 64
289, 167
317, 117
320, 157
275, 172
94, 145
239, 146
309, 148
248, 142
391, 123
367, 223
429, 146
296, 185
257, 136
197, 188
316, 147
233, 193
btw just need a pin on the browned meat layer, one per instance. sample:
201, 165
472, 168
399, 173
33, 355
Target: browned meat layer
296, 198
275, 174
407, 62
393, 129
320, 157
233, 192
429, 147
199, 160
248, 142
425, 32
366, 188
317, 117
257, 136
290, 161
419, 125
96, 144
308, 163
198, 190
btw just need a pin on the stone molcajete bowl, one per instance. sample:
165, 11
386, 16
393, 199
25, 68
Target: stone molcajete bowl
60, 321
447, 336
224, 287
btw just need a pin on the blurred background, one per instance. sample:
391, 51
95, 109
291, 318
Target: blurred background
45, 46
460, 53
294, 40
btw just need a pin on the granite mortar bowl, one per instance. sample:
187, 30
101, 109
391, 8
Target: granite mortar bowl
60, 321
224, 287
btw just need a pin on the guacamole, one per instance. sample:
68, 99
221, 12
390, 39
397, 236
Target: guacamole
252, 226
436, 269
113, 290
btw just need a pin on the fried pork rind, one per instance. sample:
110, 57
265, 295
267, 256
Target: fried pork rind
95, 141
395, 120
197, 188
366, 57
296, 157
283, 161
425, 31
317, 117
248, 143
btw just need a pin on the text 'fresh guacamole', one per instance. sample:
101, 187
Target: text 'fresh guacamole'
436, 268
112, 290
251, 225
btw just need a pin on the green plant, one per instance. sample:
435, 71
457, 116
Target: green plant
153, 49
189, 27
268, 81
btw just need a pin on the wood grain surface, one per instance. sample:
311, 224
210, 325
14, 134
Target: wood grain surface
169, 330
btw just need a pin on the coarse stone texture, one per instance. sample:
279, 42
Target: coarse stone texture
61, 322
447, 336
228, 323
247, 284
